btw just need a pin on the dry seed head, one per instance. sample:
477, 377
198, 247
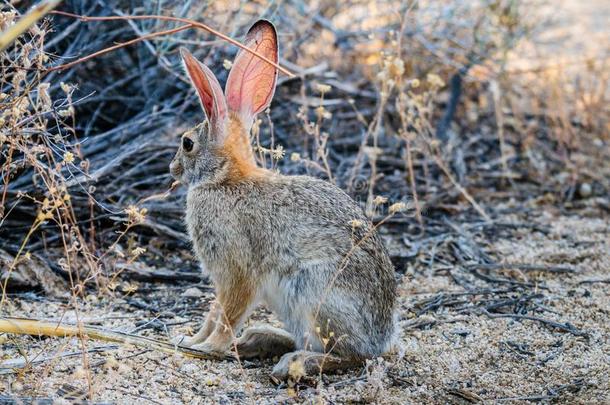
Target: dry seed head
278, 153
6, 19
67, 112
20, 108
25, 52
397, 207
18, 78
302, 113
322, 88
43, 216
296, 370
295, 157
43, 96
212, 381
356, 223
68, 158
136, 216
435, 80
129, 288
138, 251
380, 200
67, 88
323, 112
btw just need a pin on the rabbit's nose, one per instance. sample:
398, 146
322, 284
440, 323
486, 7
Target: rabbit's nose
175, 169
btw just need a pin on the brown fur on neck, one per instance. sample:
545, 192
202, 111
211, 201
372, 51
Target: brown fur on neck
238, 151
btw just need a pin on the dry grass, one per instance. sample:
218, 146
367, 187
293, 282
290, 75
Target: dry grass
465, 114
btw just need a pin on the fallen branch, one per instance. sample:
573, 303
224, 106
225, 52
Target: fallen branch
14, 365
595, 280
551, 392
34, 327
565, 327
522, 267
145, 273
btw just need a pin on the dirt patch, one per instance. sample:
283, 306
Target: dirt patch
492, 342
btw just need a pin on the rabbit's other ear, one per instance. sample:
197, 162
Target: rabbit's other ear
208, 88
251, 82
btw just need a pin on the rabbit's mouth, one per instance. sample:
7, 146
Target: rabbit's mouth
176, 170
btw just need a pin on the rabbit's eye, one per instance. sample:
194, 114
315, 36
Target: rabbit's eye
187, 144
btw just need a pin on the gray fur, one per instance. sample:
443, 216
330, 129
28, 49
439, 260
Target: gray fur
289, 235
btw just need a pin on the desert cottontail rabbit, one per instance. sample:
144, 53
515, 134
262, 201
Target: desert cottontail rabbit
298, 244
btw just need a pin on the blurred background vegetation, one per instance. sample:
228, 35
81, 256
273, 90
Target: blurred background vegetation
455, 108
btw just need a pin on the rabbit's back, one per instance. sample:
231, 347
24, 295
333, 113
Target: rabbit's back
281, 219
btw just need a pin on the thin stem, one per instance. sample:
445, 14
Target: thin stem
193, 23
121, 45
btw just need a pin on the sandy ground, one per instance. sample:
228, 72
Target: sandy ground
574, 30
452, 352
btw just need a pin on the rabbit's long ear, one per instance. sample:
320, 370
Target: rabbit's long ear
209, 90
251, 82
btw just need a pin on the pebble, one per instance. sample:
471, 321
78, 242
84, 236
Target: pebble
189, 368
585, 190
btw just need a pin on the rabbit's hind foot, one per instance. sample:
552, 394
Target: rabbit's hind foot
264, 342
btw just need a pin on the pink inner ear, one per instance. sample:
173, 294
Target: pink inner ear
207, 86
251, 82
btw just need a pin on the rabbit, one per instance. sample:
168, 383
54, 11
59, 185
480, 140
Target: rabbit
298, 244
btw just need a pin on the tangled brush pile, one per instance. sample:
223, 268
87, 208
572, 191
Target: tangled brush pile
412, 105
